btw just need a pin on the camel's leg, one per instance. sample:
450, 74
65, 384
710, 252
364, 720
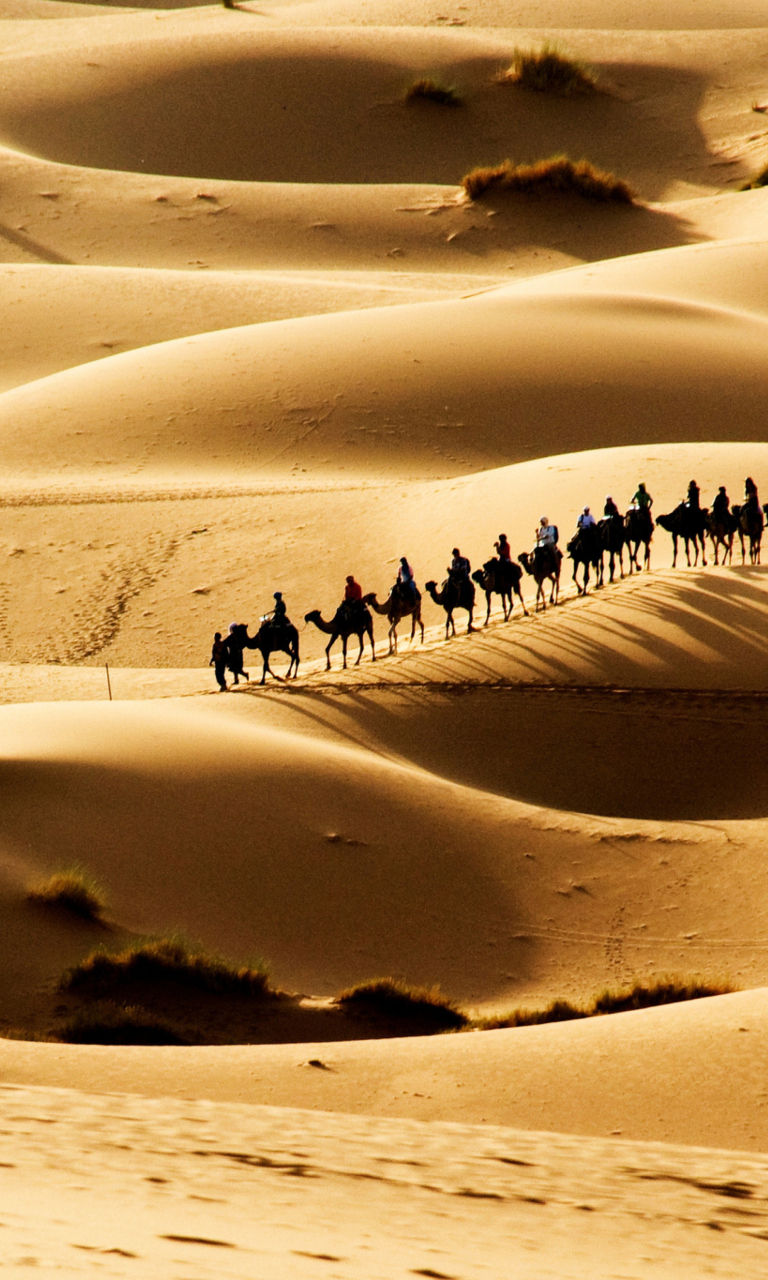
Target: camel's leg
361, 638
344, 652
519, 595
393, 638
471, 613
373, 646
328, 653
421, 624
488, 611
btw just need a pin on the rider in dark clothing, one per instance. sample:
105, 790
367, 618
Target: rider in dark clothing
721, 505
279, 615
693, 497
460, 565
750, 494
610, 509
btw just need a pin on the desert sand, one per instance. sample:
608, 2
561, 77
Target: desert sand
256, 338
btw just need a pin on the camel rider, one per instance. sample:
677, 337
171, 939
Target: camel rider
610, 510
751, 499
503, 549
279, 615
642, 499
406, 581
546, 534
353, 597
460, 566
586, 520
721, 505
693, 497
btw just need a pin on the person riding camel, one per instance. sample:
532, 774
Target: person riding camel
610, 510
460, 567
406, 581
643, 502
721, 505
586, 520
279, 615
693, 497
503, 549
751, 500
546, 534
353, 592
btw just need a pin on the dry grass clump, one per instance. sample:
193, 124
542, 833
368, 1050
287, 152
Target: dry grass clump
558, 175
547, 70
74, 890
638, 996
170, 960
390, 999
427, 90
108, 1023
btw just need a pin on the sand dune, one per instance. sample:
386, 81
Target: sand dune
687, 1073
432, 389
132, 73
169, 1185
57, 317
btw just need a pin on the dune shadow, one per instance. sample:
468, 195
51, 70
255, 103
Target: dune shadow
33, 247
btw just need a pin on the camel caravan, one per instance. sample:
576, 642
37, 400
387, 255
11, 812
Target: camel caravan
593, 542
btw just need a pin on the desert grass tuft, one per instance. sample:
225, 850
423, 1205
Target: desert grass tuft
108, 1023
638, 996
558, 175
169, 960
74, 890
547, 70
427, 90
388, 998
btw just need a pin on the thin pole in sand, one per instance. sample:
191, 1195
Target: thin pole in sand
109, 682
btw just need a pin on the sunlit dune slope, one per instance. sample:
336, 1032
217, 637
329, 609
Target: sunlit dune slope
326, 105
142, 576
599, 1077
57, 317
566, 15
429, 389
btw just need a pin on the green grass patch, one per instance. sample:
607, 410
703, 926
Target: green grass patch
166, 961
108, 1023
556, 176
427, 90
392, 1000
547, 70
74, 890
638, 996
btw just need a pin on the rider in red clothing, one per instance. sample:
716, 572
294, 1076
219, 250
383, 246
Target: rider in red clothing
353, 592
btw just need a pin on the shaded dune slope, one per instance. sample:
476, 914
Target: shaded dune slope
322, 106
222, 828
439, 388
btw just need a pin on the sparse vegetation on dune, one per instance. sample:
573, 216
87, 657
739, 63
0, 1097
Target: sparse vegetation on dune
74, 890
170, 960
638, 996
761, 180
427, 90
108, 1023
390, 999
547, 70
556, 176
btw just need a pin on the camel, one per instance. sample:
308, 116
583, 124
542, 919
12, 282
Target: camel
544, 567
750, 523
638, 527
501, 578
399, 604
346, 623
721, 530
271, 639
455, 593
690, 526
613, 537
586, 548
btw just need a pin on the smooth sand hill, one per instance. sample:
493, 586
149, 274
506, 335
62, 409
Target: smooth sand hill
430, 389
690, 1073
327, 105
57, 316
144, 576
339, 865
167, 1187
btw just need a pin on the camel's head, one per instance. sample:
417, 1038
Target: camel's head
478, 574
310, 617
369, 598
430, 586
525, 561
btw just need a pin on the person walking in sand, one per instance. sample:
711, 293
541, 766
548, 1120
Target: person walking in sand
219, 655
